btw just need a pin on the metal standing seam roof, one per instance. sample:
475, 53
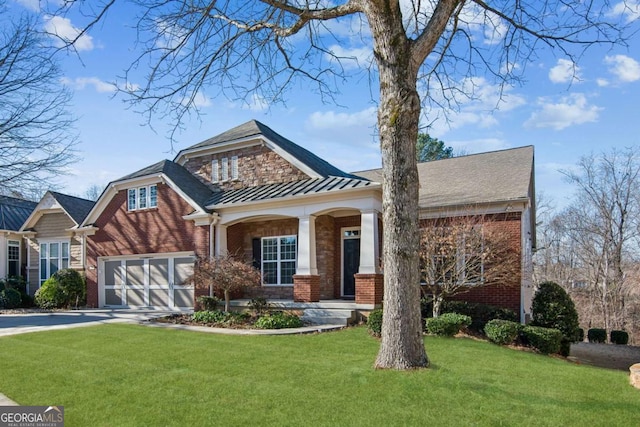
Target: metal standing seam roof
286, 189
14, 212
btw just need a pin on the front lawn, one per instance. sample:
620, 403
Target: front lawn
120, 375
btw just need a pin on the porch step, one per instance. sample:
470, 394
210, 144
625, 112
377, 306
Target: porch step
324, 316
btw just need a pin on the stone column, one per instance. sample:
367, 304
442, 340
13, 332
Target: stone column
369, 281
306, 281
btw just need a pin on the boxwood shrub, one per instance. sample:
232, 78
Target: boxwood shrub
545, 340
10, 298
480, 313
502, 332
447, 324
619, 337
597, 335
278, 320
208, 303
374, 322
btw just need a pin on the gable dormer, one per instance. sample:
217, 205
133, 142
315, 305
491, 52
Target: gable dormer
250, 155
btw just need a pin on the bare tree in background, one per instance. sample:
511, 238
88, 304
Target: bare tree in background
464, 253
36, 130
424, 53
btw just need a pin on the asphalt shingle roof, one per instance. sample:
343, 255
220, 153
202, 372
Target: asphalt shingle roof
14, 212
254, 128
188, 183
76, 207
496, 176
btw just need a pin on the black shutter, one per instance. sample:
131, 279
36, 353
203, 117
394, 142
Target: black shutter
256, 244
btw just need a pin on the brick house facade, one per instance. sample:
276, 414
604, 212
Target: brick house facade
313, 230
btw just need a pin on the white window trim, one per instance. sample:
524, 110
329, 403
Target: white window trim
60, 257
147, 198
278, 261
225, 169
215, 171
14, 243
234, 168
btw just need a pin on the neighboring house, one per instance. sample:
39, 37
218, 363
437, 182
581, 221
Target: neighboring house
53, 241
312, 229
13, 213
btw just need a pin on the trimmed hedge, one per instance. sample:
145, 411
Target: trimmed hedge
502, 332
597, 335
480, 313
10, 298
545, 340
553, 308
447, 324
278, 320
374, 322
619, 337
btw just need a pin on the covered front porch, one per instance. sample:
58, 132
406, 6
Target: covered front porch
325, 251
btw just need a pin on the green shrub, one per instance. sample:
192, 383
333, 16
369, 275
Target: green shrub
259, 305
619, 337
208, 303
50, 294
9, 298
502, 332
480, 313
65, 288
278, 320
545, 340
14, 282
208, 316
580, 334
374, 322
553, 308
447, 324
597, 335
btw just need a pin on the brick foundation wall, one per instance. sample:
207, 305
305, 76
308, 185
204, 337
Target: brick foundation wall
508, 294
157, 230
369, 288
306, 288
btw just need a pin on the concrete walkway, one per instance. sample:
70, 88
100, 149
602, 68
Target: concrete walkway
5, 401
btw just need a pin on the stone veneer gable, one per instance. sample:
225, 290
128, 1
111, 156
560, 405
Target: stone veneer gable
257, 165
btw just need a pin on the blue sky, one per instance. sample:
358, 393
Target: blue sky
565, 112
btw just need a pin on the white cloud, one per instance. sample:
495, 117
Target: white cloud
479, 20
80, 83
629, 10
570, 110
479, 145
257, 103
602, 82
332, 120
625, 68
201, 100
63, 29
565, 71
351, 57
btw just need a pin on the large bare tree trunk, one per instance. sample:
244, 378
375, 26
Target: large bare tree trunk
402, 345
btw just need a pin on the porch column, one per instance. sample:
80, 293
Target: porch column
369, 281
221, 240
306, 281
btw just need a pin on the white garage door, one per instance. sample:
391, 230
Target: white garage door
146, 281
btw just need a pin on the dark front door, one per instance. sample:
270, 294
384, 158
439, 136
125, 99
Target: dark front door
350, 265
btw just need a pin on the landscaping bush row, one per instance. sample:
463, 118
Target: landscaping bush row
13, 293
447, 324
270, 320
480, 313
504, 332
599, 335
65, 288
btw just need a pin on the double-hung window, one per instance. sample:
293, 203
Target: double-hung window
54, 256
13, 258
142, 198
278, 260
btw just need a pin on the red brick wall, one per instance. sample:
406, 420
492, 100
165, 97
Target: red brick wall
157, 230
257, 165
326, 255
506, 295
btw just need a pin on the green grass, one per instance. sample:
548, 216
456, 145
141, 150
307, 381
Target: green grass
120, 375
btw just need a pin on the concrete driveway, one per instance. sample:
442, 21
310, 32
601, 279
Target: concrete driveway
13, 324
